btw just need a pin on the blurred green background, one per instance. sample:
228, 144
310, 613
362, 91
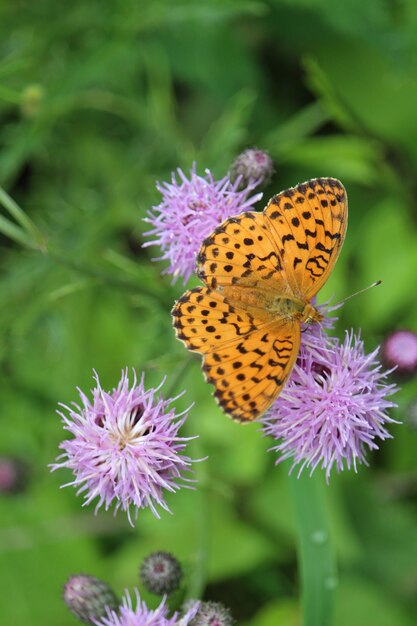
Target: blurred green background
98, 100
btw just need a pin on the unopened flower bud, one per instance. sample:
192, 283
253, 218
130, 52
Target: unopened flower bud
252, 165
88, 597
212, 614
161, 573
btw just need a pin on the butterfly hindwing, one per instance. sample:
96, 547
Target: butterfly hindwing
251, 373
203, 319
246, 359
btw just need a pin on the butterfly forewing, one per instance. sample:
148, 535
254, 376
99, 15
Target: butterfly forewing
241, 251
309, 223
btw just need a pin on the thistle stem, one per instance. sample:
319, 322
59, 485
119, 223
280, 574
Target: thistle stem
198, 579
315, 549
197, 585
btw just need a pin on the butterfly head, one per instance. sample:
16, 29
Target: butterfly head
311, 315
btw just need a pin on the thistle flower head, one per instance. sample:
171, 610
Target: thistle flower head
142, 616
333, 407
189, 211
125, 447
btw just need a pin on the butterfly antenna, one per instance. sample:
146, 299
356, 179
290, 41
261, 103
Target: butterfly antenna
378, 282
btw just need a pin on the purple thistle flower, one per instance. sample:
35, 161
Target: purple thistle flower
142, 616
189, 211
125, 447
333, 406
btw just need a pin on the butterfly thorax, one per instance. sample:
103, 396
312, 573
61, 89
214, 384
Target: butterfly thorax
265, 304
294, 308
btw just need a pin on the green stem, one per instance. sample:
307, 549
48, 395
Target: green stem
70, 263
22, 219
198, 574
180, 372
198, 578
16, 234
316, 555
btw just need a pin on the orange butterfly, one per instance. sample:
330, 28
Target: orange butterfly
261, 271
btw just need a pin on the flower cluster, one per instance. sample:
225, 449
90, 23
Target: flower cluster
333, 407
189, 211
125, 447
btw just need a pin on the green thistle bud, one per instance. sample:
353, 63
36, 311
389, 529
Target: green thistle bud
88, 597
160, 573
212, 614
252, 165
